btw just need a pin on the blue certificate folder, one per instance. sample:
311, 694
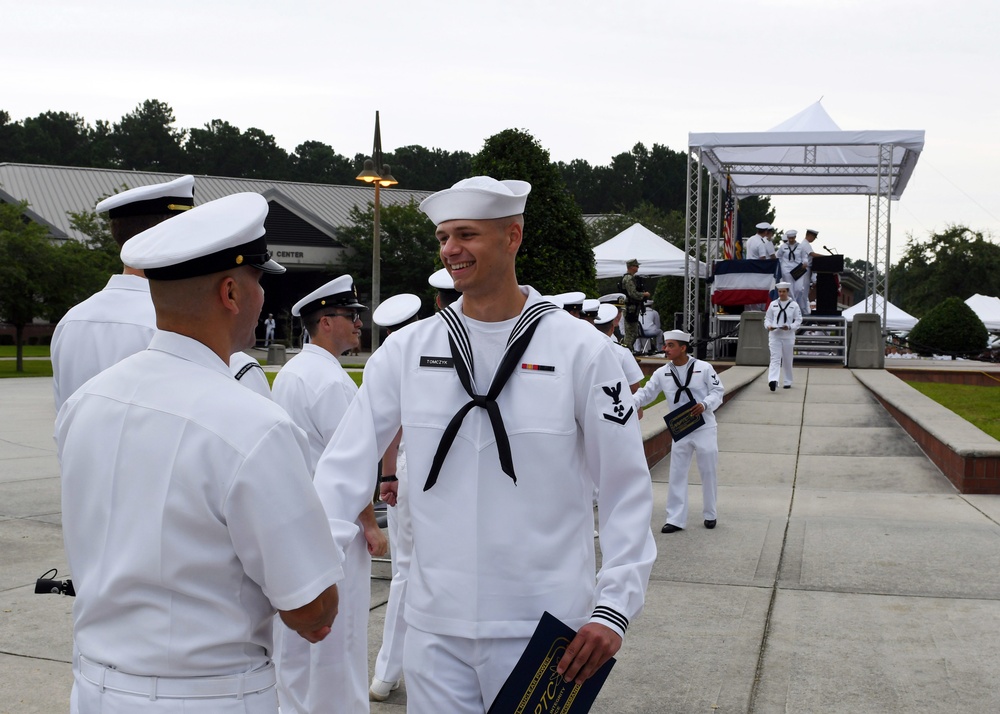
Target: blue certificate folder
682, 422
534, 686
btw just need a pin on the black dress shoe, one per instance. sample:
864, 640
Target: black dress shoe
670, 528
787, 386
710, 524
772, 385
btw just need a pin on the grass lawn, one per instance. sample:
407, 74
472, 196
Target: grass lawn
978, 405
27, 351
356, 376
32, 368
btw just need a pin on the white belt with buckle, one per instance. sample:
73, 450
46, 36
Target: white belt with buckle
234, 685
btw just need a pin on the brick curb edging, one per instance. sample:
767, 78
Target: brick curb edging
968, 456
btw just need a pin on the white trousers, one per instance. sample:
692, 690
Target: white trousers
781, 344
389, 662
330, 677
456, 675
703, 442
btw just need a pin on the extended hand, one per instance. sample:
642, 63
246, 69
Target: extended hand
388, 492
698, 408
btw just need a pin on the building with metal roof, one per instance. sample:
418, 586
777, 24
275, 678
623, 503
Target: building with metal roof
302, 222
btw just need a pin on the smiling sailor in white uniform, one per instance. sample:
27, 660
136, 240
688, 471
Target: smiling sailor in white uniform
782, 319
188, 511
513, 411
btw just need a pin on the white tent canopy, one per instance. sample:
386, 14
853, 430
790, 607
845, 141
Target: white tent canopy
656, 256
987, 308
896, 319
808, 154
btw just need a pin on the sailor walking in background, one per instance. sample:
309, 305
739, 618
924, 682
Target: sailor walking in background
782, 319
686, 380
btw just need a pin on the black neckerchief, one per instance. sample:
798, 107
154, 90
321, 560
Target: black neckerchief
791, 251
781, 311
461, 352
683, 388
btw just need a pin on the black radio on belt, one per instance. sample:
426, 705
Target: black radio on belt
46, 585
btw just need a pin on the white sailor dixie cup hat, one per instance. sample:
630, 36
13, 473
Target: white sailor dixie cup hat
219, 235
339, 292
676, 336
396, 310
477, 198
591, 306
782, 286
171, 197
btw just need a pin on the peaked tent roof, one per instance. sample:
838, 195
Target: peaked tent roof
896, 318
987, 308
808, 154
656, 256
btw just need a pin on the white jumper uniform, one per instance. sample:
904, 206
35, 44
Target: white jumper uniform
389, 661
490, 555
101, 331
332, 675
178, 488
792, 256
780, 341
705, 388
633, 372
249, 373
759, 247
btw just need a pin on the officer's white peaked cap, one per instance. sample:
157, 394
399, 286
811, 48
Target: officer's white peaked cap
441, 279
216, 236
477, 198
613, 298
570, 300
764, 226
339, 292
606, 313
170, 197
591, 305
396, 310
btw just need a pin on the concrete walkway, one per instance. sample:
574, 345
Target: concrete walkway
846, 574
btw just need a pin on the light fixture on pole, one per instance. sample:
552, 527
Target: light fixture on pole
382, 178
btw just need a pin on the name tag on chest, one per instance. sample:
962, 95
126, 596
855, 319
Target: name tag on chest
440, 362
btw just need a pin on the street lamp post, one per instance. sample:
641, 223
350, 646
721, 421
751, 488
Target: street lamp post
382, 178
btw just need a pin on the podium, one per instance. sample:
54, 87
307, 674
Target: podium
826, 268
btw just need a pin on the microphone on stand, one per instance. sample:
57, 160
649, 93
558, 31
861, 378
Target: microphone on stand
828, 250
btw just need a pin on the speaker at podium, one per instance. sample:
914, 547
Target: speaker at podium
826, 268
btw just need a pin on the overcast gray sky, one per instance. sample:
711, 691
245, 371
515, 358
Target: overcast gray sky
587, 79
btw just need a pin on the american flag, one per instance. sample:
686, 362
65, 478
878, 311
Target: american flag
732, 248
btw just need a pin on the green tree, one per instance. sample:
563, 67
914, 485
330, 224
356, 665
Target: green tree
419, 169
221, 149
555, 255
669, 226
316, 162
145, 140
949, 328
958, 262
28, 271
407, 248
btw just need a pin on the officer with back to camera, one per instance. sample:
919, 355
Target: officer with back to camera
188, 512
